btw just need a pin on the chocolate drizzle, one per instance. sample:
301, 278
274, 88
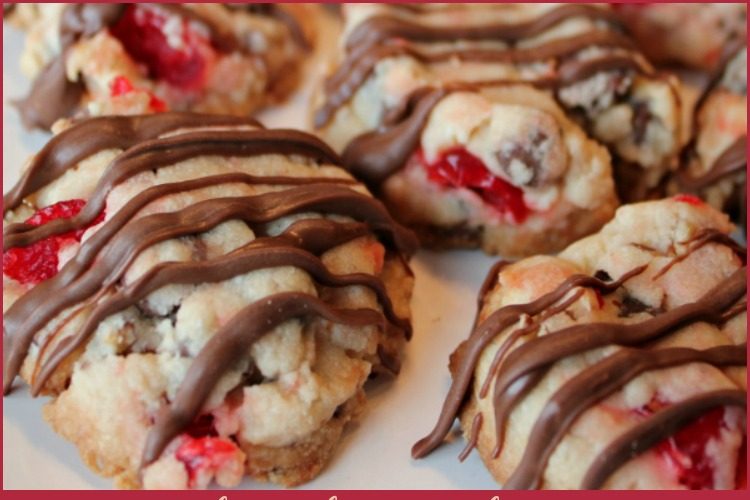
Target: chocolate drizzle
227, 346
733, 160
383, 37
516, 371
90, 136
53, 96
90, 286
660, 426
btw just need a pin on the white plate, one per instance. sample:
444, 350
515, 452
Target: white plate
373, 455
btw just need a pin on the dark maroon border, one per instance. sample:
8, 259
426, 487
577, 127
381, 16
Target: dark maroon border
360, 494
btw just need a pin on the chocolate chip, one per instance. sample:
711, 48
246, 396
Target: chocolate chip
602, 275
641, 117
630, 306
525, 153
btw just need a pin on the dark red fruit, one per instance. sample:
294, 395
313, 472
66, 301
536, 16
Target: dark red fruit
140, 30
457, 168
689, 199
38, 262
205, 453
685, 451
121, 86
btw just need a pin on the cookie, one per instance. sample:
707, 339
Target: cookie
620, 363
125, 59
687, 34
501, 168
201, 297
714, 163
577, 53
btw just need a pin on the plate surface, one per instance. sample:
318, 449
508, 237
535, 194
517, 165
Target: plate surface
375, 454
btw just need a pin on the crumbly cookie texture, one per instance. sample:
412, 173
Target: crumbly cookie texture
576, 53
568, 378
542, 182
715, 161
136, 59
222, 316
693, 35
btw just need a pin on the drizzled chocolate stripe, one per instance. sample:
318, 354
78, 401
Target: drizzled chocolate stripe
527, 365
378, 28
358, 67
355, 70
163, 152
374, 156
538, 354
88, 137
258, 254
594, 384
371, 42
80, 280
228, 345
660, 426
36, 233
701, 239
732, 160
484, 333
52, 95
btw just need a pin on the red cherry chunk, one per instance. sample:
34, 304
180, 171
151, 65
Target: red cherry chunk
140, 29
457, 168
39, 261
685, 452
204, 453
122, 86
689, 199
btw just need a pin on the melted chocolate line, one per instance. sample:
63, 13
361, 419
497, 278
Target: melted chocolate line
700, 240
16, 237
540, 353
504, 403
476, 427
484, 333
91, 136
52, 95
355, 71
662, 425
166, 152
378, 28
44, 302
357, 67
591, 386
228, 346
522, 332
732, 160
259, 254
374, 156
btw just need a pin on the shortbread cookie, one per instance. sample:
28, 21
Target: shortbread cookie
688, 34
203, 298
501, 168
577, 53
107, 59
620, 363
715, 162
